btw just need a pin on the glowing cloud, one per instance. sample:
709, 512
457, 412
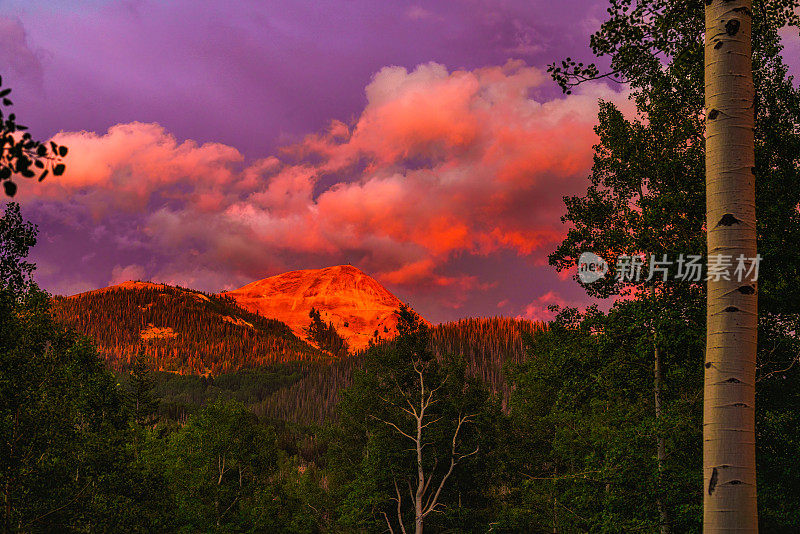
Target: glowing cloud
438, 164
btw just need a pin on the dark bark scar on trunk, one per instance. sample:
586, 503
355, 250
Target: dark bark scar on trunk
712, 484
728, 220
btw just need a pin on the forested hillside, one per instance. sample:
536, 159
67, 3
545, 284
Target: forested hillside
180, 330
307, 392
486, 344
235, 354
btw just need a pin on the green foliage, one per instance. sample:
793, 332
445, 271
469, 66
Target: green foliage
371, 459
646, 196
583, 406
64, 462
217, 461
639, 37
20, 154
180, 396
17, 236
139, 396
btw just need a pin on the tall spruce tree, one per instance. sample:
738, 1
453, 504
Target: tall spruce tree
142, 404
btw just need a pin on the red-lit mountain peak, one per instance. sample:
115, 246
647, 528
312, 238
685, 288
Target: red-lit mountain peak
353, 301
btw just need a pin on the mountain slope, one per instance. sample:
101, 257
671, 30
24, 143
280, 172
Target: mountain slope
354, 302
179, 330
488, 345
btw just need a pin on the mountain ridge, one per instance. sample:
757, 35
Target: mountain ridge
179, 330
359, 306
188, 331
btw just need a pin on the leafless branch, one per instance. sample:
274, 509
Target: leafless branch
388, 524
389, 423
779, 371
399, 507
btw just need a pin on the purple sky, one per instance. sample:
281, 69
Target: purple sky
228, 162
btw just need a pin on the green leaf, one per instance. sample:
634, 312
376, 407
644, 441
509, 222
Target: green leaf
59, 169
62, 151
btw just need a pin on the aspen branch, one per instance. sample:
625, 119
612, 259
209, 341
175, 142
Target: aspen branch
399, 507
31, 522
778, 371
389, 423
411, 412
388, 524
432, 501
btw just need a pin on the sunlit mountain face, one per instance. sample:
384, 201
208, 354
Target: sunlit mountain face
358, 306
190, 332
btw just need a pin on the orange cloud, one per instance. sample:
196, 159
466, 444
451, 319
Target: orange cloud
438, 164
126, 166
538, 309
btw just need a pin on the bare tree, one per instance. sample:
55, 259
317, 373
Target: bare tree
424, 491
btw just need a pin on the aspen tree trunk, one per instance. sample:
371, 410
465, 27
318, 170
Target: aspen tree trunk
729, 470
661, 449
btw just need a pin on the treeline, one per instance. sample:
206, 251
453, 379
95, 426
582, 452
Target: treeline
180, 330
183, 395
487, 345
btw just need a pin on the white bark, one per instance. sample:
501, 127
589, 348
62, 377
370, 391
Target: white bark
661, 450
728, 412
424, 498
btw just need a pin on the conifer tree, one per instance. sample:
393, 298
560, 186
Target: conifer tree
141, 400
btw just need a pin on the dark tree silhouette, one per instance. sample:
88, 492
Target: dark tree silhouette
21, 154
324, 335
142, 403
17, 236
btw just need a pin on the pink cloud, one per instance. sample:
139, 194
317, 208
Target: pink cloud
121, 273
438, 164
538, 309
130, 163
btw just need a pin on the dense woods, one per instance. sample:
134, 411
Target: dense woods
307, 392
527, 428
180, 330
151, 408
